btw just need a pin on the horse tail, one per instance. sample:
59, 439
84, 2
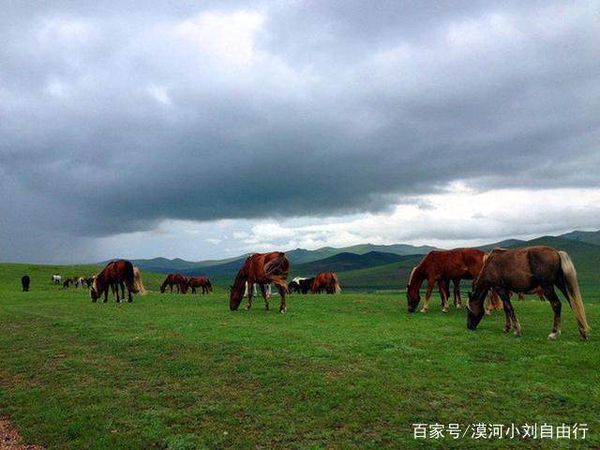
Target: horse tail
130, 278
137, 281
336, 284
573, 294
278, 268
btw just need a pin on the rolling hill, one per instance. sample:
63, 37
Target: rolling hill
590, 237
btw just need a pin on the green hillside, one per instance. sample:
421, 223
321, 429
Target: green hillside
591, 237
344, 262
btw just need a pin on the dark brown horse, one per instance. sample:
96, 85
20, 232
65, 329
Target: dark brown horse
522, 270
116, 274
326, 281
25, 281
261, 268
175, 279
201, 282
441, 266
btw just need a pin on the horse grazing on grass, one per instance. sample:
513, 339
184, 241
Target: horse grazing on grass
177, 280
441, 266
56, 279
25, 282
118, 273
522, 270
201, 282
260, 268
327, 281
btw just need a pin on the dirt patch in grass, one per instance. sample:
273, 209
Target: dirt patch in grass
10, 439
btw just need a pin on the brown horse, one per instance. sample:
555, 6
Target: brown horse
327, 281
202, 282
522, 270
116, 274
177, 280
441, 266
261, 268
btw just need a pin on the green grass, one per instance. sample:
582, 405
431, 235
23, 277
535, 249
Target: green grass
353, 370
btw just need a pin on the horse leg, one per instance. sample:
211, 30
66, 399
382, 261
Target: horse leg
263, 291
122, 290
505, 296
427, 296
457, 299
550, 294
282, 288
443, 287
250, 289
106, 294
508, 321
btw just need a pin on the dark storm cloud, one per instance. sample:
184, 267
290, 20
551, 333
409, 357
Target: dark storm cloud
112, 119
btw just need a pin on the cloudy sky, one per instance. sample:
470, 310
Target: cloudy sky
208, 129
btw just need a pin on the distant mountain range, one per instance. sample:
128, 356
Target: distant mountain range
296, 257
369, 266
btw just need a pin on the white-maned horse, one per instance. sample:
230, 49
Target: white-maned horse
56, 279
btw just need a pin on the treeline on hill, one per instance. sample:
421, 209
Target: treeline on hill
380, 267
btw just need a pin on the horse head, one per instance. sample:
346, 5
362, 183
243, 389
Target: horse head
475, 309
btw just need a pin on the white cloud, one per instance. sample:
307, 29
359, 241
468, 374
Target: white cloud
227, 36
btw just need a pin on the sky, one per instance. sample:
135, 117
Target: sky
209, 129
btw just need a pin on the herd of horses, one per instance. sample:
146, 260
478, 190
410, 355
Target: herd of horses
496, 276
183, 284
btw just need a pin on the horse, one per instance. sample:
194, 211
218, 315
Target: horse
68, 282
202, 282
137, 281
524, 269
261, 268
56, 279
175, 279
25, 281
441, 266
80, 281
327, 281
116, 274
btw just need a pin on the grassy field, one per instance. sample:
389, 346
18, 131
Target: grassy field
354, 370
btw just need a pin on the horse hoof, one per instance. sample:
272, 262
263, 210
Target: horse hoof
444, 310
459, 306
517, 333
423, 310
553, 336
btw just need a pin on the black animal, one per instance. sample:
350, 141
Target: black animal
301, 285
25, 281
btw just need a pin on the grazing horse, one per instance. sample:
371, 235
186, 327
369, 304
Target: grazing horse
56, 279
177, 280
261, 268
524, 269
202, 282
25, 281
68, 282
116, 274
327, 281
441, 266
